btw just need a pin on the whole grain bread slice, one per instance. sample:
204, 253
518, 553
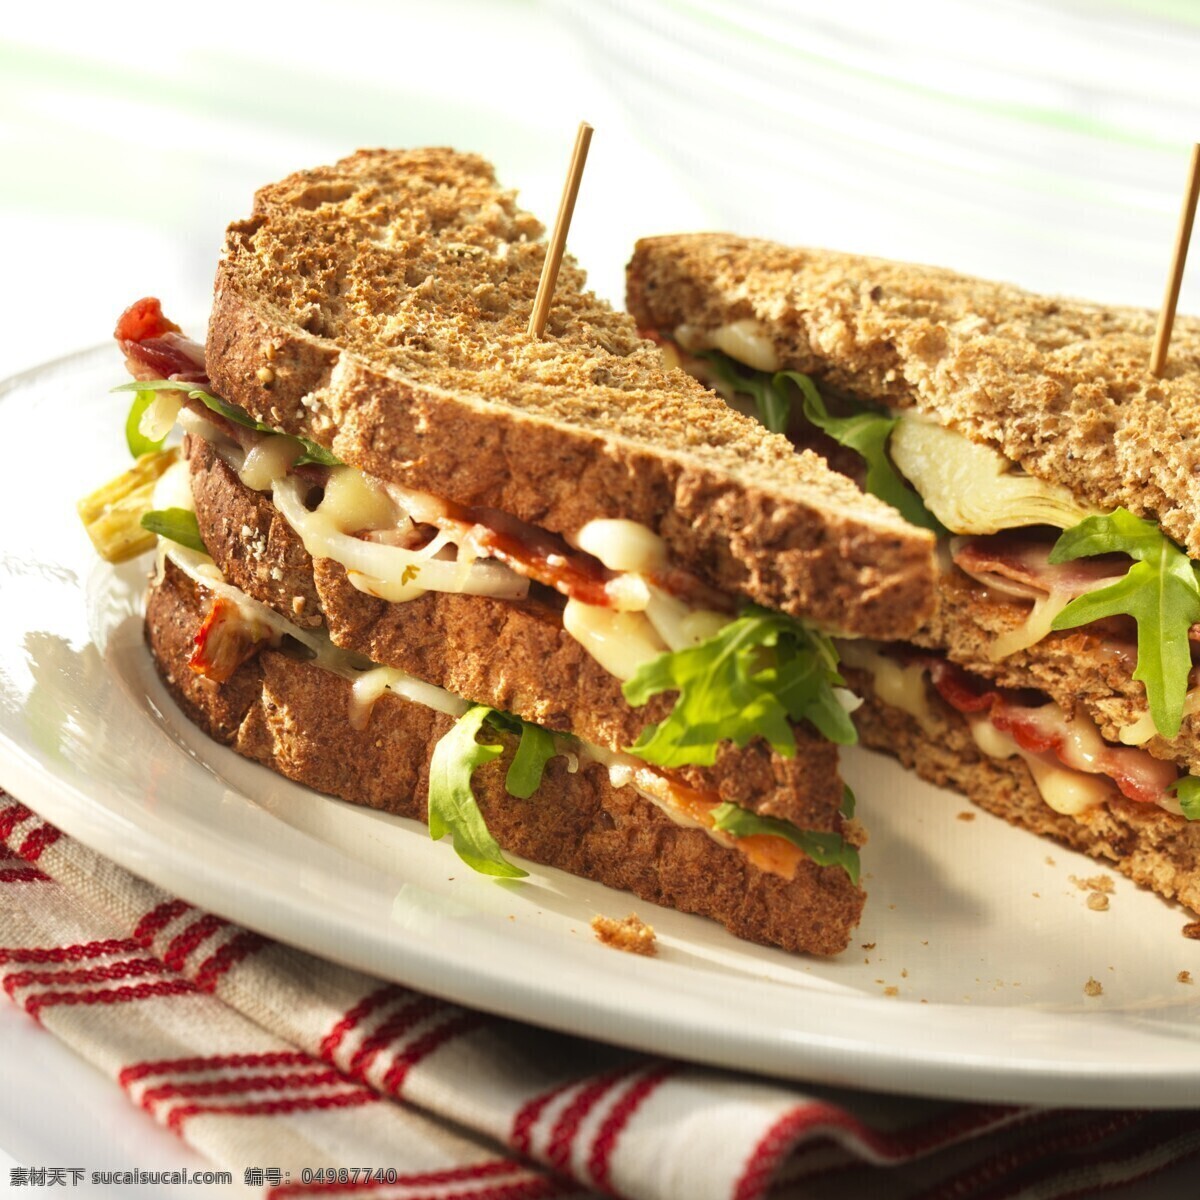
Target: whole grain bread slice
1154, 848
1060, 386
379, 306
510, 655
294, 717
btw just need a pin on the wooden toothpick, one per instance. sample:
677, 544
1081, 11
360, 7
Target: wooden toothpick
1166, 318
558, 239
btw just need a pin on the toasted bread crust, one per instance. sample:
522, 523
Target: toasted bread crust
510, 655
379, 307
293, 717
1154, 848
1060, 386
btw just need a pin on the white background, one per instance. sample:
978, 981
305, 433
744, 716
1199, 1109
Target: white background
1044, 142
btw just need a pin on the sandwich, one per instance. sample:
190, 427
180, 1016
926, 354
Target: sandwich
556, 600
1054, 684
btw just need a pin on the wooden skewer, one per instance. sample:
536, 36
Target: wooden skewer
558, 239
1166, 318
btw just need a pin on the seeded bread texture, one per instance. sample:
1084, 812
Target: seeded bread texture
511, 655
1154, 848
1061, 386
294, 718
379, 307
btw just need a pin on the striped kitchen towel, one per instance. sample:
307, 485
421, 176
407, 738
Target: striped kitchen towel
252, 1052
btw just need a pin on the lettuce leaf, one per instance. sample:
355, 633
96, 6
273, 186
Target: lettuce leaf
535, 749
825, 849
452, 805
137, 442
1187, 788
313, 451
177, 524
1160, 592
774, 404
848, 801
746, 681
866, 432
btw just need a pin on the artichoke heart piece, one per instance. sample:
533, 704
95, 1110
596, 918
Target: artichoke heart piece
112, 514
974, 489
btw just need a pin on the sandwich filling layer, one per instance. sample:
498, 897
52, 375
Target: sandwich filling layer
237, 627
1023, 562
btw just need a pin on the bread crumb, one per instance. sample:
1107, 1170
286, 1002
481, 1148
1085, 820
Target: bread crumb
1093, 987
265, 375
966, 816
854, 832
868, 945
1097, 901
1184, 977
891, 991
903, 972
298, 604
1095, 883
632, 934
1192, 929
1049, 861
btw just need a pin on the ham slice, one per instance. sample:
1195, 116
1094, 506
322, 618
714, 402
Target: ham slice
1017, 563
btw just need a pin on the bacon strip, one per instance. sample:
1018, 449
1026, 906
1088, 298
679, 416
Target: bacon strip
225, 640
155, 348
1018, 564
1041, 727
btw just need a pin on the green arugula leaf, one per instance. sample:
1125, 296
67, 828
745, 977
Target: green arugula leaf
313, 451
866, 433
1187, 788
452, 805
825, 849
848, 801
1160, 592
745, 681
535, 749
178, 524
774, 404
137, 442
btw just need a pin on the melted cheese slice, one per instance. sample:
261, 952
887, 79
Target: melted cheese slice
895, 683
1066, 791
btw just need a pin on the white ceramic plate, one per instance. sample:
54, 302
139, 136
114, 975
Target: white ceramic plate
966, 978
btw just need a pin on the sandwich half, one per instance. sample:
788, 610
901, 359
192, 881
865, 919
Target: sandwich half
1054, 684
557, 600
